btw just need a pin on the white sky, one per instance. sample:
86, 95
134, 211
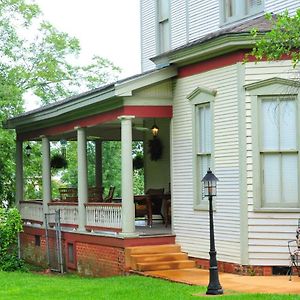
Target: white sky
108, 28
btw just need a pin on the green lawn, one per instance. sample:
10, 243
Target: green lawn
30, 286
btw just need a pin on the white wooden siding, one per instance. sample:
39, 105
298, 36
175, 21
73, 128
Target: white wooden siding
203, 18
278, 6
190, 20
191, 227
178, 18
268, 233
148, 33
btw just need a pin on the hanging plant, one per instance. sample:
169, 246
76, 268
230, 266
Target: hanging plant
138, 162
58, 161
155, 148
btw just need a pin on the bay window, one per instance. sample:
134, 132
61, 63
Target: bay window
279, 152
233, 10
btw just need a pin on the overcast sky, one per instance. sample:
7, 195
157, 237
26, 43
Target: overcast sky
108, 28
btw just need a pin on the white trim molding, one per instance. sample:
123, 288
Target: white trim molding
201, 96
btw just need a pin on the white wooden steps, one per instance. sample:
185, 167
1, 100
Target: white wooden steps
160, 257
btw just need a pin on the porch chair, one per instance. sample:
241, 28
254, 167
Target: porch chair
95, 194
155, 199
294, 251
68, 194
110, 194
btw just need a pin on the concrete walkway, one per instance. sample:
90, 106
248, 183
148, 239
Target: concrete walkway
232, 282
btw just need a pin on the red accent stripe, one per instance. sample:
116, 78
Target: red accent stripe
219, 62
137, 111
212, 63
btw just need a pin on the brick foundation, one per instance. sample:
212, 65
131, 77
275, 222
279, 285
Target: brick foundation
92, 255
235, 268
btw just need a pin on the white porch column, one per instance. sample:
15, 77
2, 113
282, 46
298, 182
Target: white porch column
98, 163
46, 173
19, 173
128, 213
82, 177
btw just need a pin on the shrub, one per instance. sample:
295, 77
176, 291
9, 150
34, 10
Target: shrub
10, 226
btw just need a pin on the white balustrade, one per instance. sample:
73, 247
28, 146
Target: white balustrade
68, 213
104, 215
32, 211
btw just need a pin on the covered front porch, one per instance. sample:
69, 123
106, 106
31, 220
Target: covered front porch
124, 112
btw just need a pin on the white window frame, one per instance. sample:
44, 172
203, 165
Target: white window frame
201, 97
265, 152
240, 10
163, 36
272, 88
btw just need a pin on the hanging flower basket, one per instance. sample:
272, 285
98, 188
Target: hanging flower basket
58, 161
138, 162
155, 148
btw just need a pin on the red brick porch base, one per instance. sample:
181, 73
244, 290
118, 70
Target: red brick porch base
93, 255
235, 268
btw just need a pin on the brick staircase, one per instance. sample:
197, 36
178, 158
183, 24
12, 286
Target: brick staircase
154, 258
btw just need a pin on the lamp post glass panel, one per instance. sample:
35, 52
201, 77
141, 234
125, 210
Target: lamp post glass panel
210, 190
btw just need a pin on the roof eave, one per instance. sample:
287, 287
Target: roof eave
201, 51
82, 102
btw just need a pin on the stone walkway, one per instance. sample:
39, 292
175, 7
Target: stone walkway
232, 282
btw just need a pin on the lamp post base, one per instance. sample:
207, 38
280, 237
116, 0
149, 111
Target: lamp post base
214, 292
214, 286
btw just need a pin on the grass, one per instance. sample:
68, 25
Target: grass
31, 286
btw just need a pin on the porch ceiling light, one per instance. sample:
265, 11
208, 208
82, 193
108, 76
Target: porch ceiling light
154, 130
63, 144
28, 150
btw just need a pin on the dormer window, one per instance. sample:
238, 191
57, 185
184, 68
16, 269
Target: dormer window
233, 10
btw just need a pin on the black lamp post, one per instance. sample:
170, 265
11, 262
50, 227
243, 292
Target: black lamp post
210, 190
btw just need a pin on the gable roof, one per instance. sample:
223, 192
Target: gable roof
92, 101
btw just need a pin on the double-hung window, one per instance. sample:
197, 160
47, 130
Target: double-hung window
279, 152
163, 15
202, 101
203, 121
233, 10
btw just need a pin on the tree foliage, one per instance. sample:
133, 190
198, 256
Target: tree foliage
282, 39
40, 61
10, 226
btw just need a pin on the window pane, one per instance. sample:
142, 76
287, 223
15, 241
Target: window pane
270, 124
288, 125
204, 129
253, 6
290, 178
164, 36
229, 9
271, 179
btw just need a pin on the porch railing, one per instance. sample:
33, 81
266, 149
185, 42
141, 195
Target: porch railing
32, 211
105, 216
68, 213
99, 216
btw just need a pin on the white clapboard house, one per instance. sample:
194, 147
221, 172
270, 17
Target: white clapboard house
213, 110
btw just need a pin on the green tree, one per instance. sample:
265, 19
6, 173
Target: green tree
282, 39
41, 65
10, 226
